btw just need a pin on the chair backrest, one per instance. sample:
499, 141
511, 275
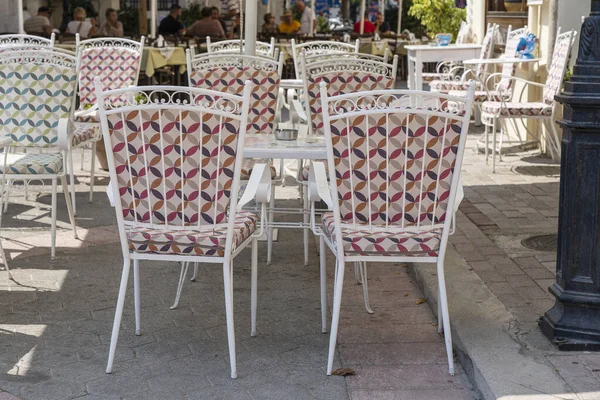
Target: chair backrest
174, 154
320, 47
394, 157
228, 72
324, 56
508, 70
116, 61
343, 75
487, 50
464, 33
37, 89
559, 66
233, 46
20, 39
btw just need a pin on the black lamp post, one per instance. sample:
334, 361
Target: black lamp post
574, 321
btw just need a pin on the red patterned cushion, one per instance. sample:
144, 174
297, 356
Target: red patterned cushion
362, 239
85, 133
200, 241
447, 86
517, 109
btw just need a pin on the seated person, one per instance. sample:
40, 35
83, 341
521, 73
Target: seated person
381, 27
269, 27
112, 27
216, 14
85, 28
369, 27
234, 33
289, 25
207, 26
170, 25
40, 24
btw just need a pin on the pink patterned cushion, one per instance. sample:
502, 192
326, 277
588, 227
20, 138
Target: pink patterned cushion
117, 68
517, 109
92, 117
360, 239
433, 76
231, 80
558, 69
201, 241
85, 133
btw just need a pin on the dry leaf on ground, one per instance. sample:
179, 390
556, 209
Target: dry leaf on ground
421, 301
343, 372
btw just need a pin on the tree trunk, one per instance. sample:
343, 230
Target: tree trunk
143, 17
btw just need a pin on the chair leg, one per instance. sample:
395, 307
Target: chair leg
228, 286
53, 222
270, 228
118, 314
335, 320
357, 276
184, 269
494, 147
363, 273
8, 187
93, 171
254, 287
439, 314
445, 314
82, 157
503, 130
72, 181
63, 181
323, 271
487, 143
136, 296
306, 221
195, 275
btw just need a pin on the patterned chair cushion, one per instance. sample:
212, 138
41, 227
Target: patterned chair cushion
481, 95
196, 241
360, 239
33, 163
231, 80
85, 133
33, 98
516, 109
433, 76
249, 163
447, 86
92, 117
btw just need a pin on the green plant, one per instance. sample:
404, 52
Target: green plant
438, 16
408, 21
322, 24
191, 14
129, 17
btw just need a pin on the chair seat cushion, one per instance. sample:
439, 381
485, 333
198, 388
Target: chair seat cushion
33, 163
196, 241
434, 76
249, 163
85, 133
514, 109
447, 86
359, 239
91, 117
481, 95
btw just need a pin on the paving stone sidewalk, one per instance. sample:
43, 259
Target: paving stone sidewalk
499, 211
56, 318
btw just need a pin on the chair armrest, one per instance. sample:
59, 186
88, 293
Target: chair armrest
318, 187
258, 187
65, 128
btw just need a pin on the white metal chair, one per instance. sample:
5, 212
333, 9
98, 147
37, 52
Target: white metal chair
394, 160
22, 39
175, 157
320, 47
233, 46
117, 62
451, 82
493, 112
37, 99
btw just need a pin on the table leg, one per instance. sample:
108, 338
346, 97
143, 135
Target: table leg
419, 73
411, 71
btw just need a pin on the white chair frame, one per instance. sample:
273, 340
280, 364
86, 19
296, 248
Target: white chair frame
492, 120
259, 188
233, 46
320, 47
413, 103
80, 47
23, 39
46, 55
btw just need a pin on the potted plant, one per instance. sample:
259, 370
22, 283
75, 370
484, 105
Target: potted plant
429, 12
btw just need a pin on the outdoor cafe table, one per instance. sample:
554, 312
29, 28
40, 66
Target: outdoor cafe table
419, 54
154, 58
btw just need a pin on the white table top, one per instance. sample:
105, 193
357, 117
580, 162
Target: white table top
501, 61
266, 146
450, 47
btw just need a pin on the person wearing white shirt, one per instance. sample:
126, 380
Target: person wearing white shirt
307, 18
86, 29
